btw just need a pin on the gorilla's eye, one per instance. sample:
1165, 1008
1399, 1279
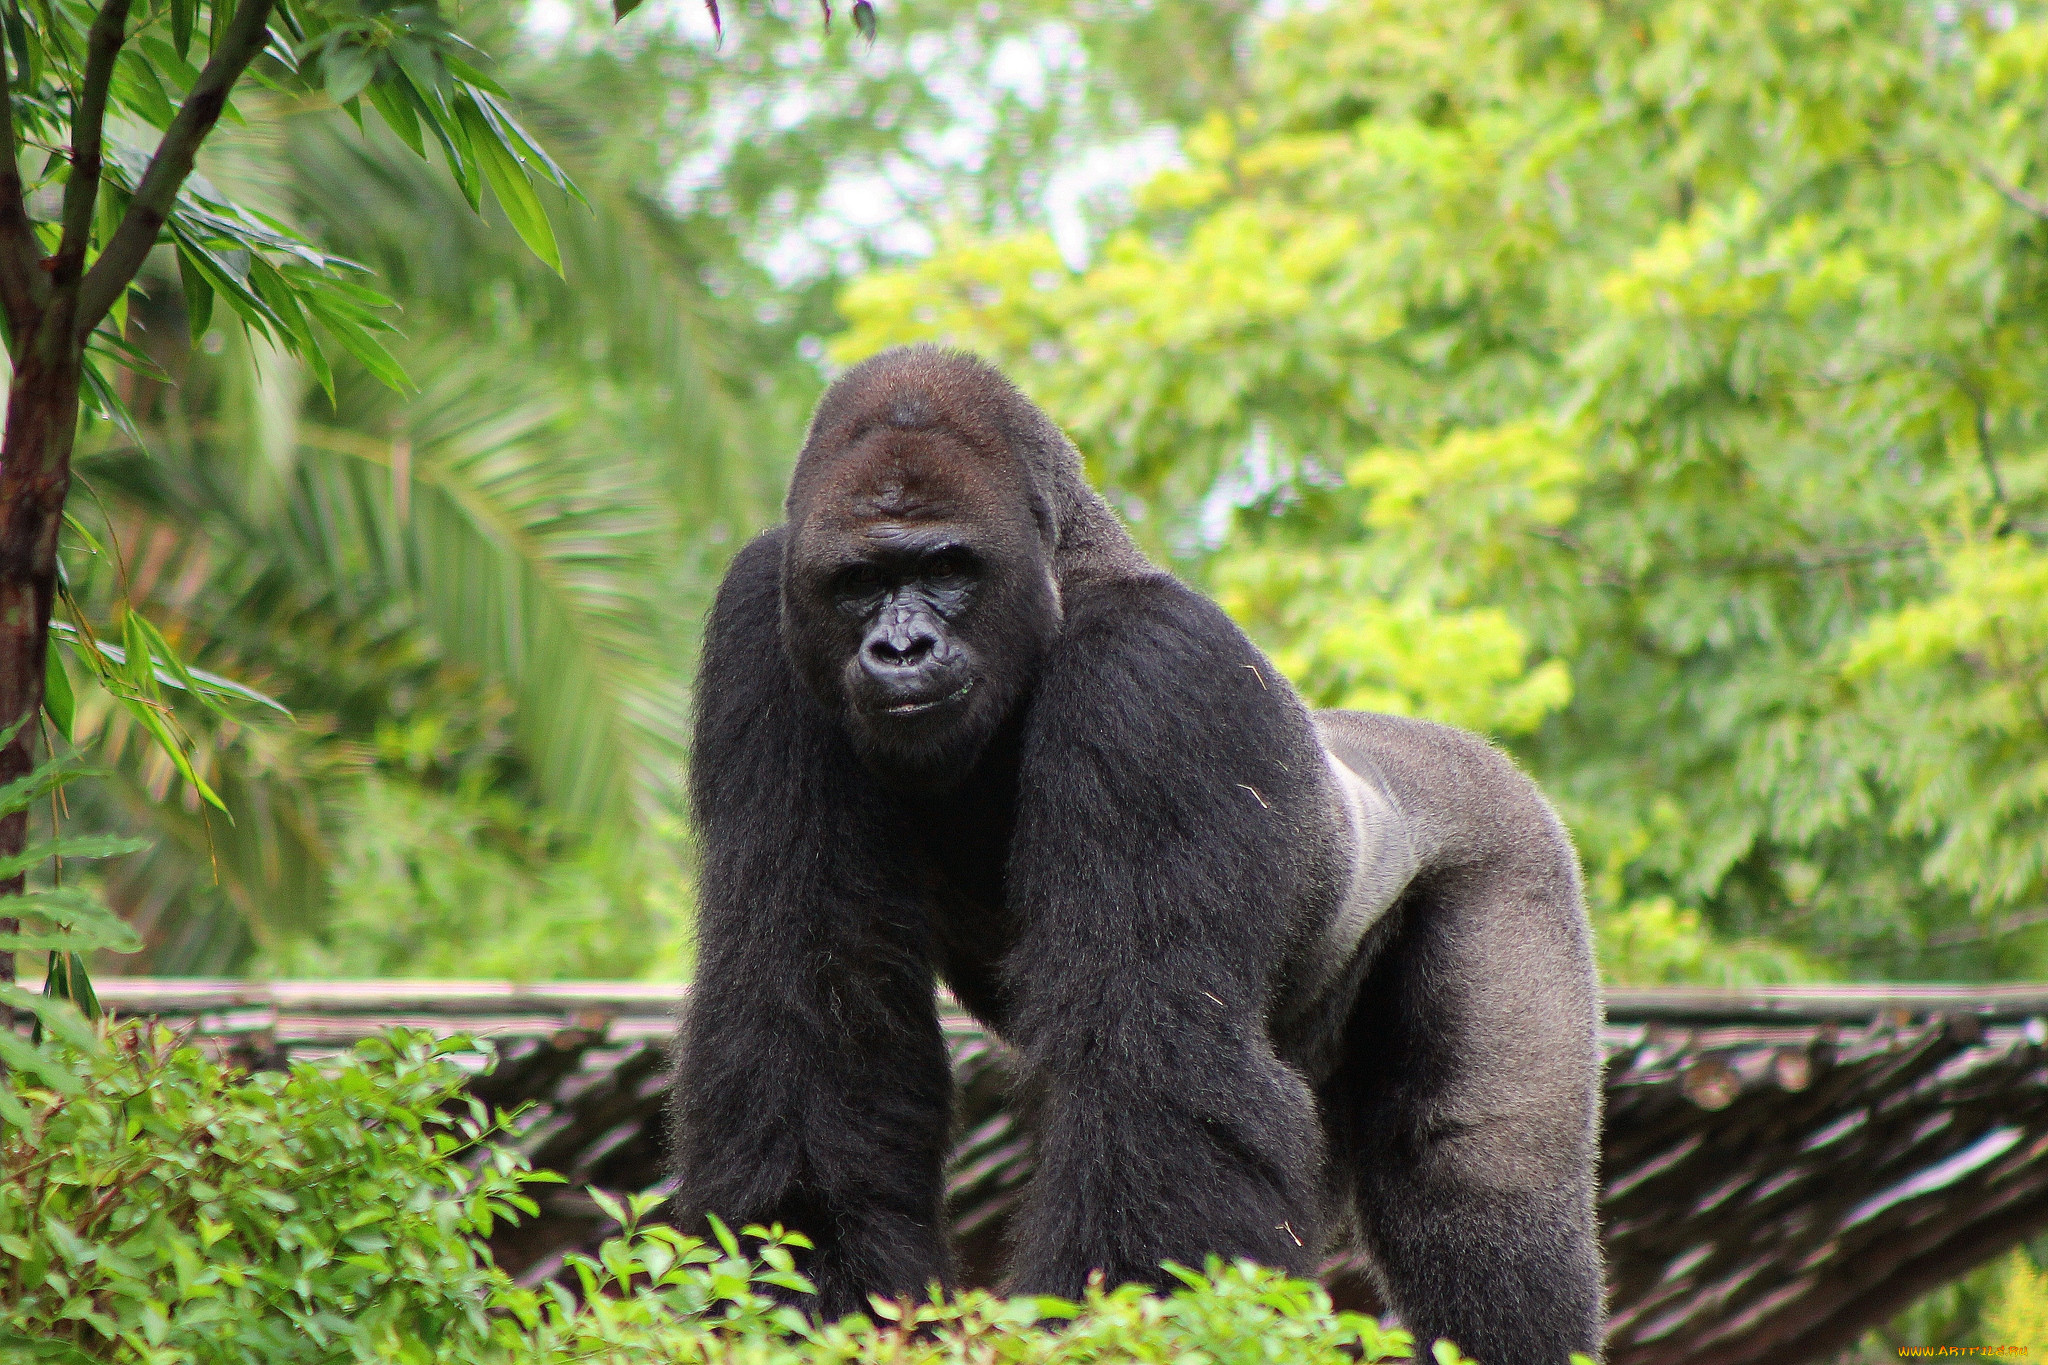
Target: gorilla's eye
861, 578
947, 564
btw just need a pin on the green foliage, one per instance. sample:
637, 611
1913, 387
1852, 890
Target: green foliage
2020, 1314
158, 1207
154, 1207
466, 883
65, 923
1656, 387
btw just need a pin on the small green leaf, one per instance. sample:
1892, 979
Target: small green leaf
622, 8
198, 297
81, 920
92, 546
58, 700
864, 19
182, 13
17, 1052
67, 979
397, 111
57, 772
345, 70
135, 667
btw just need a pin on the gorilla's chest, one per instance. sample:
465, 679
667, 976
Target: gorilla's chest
963, 846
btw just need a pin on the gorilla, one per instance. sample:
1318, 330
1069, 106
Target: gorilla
1276, 981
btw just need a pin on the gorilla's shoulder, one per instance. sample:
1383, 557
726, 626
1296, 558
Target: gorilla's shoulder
762, 554
1148, 608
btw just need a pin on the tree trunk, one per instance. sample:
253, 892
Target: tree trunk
35, 476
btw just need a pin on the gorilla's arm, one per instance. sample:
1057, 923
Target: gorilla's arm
813, 1086
1160, 771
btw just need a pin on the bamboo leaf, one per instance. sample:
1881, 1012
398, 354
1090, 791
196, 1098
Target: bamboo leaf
152, 720
523, 145
227, 687
58, 700
432, 106
166, 658
215, 270
105, 402
507, 176
182, 13
397, 111
135, 666
283, 299
82, 846
344, 70
198, 296
67, 979
92, 544
366, 349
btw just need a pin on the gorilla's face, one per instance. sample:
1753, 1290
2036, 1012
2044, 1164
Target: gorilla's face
916, 600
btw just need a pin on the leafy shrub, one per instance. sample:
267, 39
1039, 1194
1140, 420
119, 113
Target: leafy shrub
158, 1207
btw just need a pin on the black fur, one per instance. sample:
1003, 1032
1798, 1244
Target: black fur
1275, 980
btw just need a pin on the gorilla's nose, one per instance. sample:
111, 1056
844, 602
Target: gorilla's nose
898, 649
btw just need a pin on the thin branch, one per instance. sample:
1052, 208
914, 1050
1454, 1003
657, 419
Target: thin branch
1955, 938
22, 284
1982, 413
1795, 561
247, 35
88, 117
2011, 193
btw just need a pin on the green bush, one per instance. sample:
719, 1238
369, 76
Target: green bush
156, 1206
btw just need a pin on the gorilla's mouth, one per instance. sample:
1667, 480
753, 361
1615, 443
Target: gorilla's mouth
914, 708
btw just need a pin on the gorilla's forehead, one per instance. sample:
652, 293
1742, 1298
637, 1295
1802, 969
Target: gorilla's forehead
890, 477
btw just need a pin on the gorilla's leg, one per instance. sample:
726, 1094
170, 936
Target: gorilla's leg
1465, 1109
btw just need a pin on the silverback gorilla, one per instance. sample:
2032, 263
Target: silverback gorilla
1274, 980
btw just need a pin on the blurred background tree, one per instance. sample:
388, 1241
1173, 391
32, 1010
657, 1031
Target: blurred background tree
1657, 387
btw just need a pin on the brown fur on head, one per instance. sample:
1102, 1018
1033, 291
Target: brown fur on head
927, 456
